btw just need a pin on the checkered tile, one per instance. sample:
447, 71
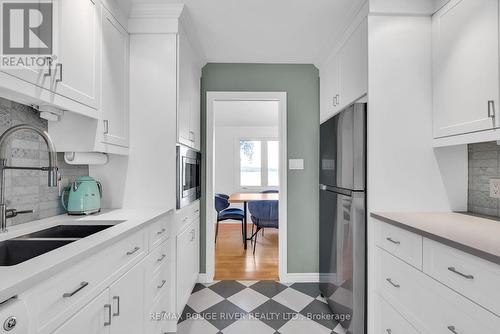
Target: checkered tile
256, 307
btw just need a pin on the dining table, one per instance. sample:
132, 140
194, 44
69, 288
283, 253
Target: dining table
250, 197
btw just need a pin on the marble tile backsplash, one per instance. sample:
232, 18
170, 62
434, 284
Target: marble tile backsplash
28, 189
484, 164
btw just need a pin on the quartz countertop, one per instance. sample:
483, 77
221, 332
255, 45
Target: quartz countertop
476, 235
18, 278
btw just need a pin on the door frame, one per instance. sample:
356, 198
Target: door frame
211, 215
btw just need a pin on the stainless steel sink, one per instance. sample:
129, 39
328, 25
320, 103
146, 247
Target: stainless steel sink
67, 231
15, 251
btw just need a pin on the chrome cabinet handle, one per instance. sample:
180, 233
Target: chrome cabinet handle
389, 331
133, 250
60, 66
71, 294
117, 298
161, 231
49, 72
453, 270
337, 99
452, 329
392, 283
491, 109
193, 235
393, 241
163, 256
108, 323
197, 211
162, 284
106, 126
334, 101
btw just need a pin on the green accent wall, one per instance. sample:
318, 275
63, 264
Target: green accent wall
301, 83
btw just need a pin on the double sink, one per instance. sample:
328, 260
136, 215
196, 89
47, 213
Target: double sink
28, 246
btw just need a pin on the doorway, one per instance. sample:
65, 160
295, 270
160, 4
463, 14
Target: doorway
246, 162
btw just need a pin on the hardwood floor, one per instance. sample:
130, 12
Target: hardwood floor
233, 262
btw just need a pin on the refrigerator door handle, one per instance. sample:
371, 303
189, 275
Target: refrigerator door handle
341, 191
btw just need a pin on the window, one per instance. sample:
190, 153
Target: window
259, 163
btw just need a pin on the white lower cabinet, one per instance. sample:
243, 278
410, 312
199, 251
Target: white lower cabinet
447, 295
389, 321
187, 263
93, 318
127, 313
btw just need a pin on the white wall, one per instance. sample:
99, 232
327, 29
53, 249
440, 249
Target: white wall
226, 156
404, 172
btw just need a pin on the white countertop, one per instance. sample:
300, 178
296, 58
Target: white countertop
18, 278
476, 235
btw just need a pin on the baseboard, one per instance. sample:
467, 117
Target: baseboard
204, 278
301, 278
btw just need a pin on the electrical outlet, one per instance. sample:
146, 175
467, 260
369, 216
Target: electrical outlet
495, 188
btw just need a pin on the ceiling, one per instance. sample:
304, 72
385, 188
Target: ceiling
266, 31
246, 113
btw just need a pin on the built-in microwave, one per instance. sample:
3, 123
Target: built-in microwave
188, 176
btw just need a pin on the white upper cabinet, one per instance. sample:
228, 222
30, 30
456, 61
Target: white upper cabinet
344, 76
329, 83
466, 67
189, 90
353, 66
76, 45
115, 83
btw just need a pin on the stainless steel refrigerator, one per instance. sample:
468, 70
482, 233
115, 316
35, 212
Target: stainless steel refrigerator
343, 216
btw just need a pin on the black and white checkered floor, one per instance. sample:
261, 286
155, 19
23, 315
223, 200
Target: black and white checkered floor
257, 307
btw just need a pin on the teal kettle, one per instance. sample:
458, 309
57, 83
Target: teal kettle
83, 197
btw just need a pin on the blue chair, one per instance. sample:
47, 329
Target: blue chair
224, 212
272, 191
264, 214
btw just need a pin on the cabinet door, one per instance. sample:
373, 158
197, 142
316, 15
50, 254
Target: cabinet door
184, 107
187, 263
93, 318
329, 84
127, 302
114, 97
76, 24
195, 110
353, 67
466, 76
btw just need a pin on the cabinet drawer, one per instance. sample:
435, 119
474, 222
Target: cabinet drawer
60, 296
403, 244
475, 278
398, 283
159, 231
390, 321
157, 258
186, 215
157, 284
447, 312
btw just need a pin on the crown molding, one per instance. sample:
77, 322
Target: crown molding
154, 18
156, 10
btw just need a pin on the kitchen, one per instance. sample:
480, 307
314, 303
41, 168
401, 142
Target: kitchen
129, 88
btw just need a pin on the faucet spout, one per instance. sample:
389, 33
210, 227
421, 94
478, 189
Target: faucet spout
51, 170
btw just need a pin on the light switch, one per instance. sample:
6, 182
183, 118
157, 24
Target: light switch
295, 164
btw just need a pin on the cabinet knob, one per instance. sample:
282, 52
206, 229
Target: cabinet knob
10, 323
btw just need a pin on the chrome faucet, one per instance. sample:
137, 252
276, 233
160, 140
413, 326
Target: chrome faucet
51, 170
